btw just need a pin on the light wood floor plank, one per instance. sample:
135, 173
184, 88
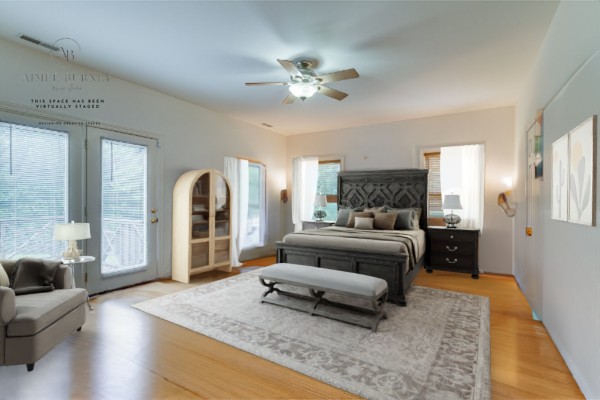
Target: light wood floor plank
123, 353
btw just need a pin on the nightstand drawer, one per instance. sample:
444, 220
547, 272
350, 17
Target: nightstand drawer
452, 261
452, 236
452, 248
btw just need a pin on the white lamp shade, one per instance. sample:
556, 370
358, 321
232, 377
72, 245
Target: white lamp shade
452, 202
72, 231
320, 200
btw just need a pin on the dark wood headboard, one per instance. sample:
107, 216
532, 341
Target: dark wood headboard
397, 188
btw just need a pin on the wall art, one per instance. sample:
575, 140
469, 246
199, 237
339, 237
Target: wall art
582, 173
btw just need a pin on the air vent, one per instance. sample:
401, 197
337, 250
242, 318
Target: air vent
39, 42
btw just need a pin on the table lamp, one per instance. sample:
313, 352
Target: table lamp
320, 204
72, 232
451, 202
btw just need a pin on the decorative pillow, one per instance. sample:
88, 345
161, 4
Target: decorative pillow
342, 216
33, 276
375, 209
406, 219
385, 221
363, 223
4, 281
355, 214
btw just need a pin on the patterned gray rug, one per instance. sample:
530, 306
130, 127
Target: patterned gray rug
438, 347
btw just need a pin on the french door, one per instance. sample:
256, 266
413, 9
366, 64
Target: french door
122, 198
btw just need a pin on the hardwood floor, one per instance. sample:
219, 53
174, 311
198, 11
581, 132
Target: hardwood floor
123, 353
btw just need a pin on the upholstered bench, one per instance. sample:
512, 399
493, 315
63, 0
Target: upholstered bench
320, 281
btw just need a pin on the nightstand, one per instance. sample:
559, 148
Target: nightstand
453, 249
316, 224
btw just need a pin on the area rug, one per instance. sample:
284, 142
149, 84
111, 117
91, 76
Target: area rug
438, 347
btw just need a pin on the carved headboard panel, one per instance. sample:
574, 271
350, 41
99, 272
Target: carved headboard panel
399, 188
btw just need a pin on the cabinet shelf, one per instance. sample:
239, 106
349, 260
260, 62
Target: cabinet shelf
201, 246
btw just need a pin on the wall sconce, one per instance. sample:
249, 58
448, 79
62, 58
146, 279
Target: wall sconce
504, 198
284, 196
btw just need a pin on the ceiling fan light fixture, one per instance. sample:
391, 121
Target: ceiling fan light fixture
303, 90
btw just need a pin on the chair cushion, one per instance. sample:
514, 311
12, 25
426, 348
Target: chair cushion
37, 311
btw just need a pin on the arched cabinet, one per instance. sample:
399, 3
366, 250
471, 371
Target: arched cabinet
201, 224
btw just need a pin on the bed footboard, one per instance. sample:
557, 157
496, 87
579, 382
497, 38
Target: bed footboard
388, 267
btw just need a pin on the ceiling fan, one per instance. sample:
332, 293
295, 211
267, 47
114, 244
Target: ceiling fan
304, 81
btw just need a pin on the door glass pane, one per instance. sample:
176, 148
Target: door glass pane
124, 217
33, 190
221, 207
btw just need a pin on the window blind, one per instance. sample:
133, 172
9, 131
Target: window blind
327, 185
124, 217
33, 190
432, 163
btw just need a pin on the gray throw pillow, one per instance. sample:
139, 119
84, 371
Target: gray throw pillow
32, 275
355, 214
4, 281
406, 220
342, 216
385, 221
363, 223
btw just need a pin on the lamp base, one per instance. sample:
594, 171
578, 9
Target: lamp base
72, 252
451, 220
319, 215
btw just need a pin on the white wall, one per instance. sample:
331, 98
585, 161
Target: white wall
398, 145
558, 268
191, 137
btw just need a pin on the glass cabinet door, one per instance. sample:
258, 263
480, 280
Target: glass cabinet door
200, 207
222, 207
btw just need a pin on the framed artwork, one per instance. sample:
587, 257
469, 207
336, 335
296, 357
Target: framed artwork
582, 173
560, 174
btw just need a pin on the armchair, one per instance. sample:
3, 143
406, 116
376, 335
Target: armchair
38, 311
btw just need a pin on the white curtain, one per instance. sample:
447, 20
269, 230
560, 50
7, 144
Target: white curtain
236, 171
305, 172
462, 170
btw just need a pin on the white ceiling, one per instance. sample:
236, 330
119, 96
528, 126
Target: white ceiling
415, 58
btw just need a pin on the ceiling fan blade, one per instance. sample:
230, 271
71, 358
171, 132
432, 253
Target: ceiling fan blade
289, 99
266, 83
289, 67
334, 94
338, 76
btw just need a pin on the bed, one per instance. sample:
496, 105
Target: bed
357, 250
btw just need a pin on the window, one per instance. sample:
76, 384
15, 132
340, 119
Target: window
327, 185
247, 181
33, 190
456, 170
434, 201
255, 225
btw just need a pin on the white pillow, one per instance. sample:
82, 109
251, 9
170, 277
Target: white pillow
363, 223
4, 281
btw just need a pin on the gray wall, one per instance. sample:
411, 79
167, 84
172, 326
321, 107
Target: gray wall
398, 145
558, 268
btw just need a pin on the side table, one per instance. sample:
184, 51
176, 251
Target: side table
80, 260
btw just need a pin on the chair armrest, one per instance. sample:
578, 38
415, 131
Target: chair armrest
64, 277
8, 309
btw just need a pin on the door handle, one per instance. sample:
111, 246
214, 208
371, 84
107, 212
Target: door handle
454, 248
154, 220
451, 261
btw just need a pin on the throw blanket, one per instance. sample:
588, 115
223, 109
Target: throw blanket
390, 242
